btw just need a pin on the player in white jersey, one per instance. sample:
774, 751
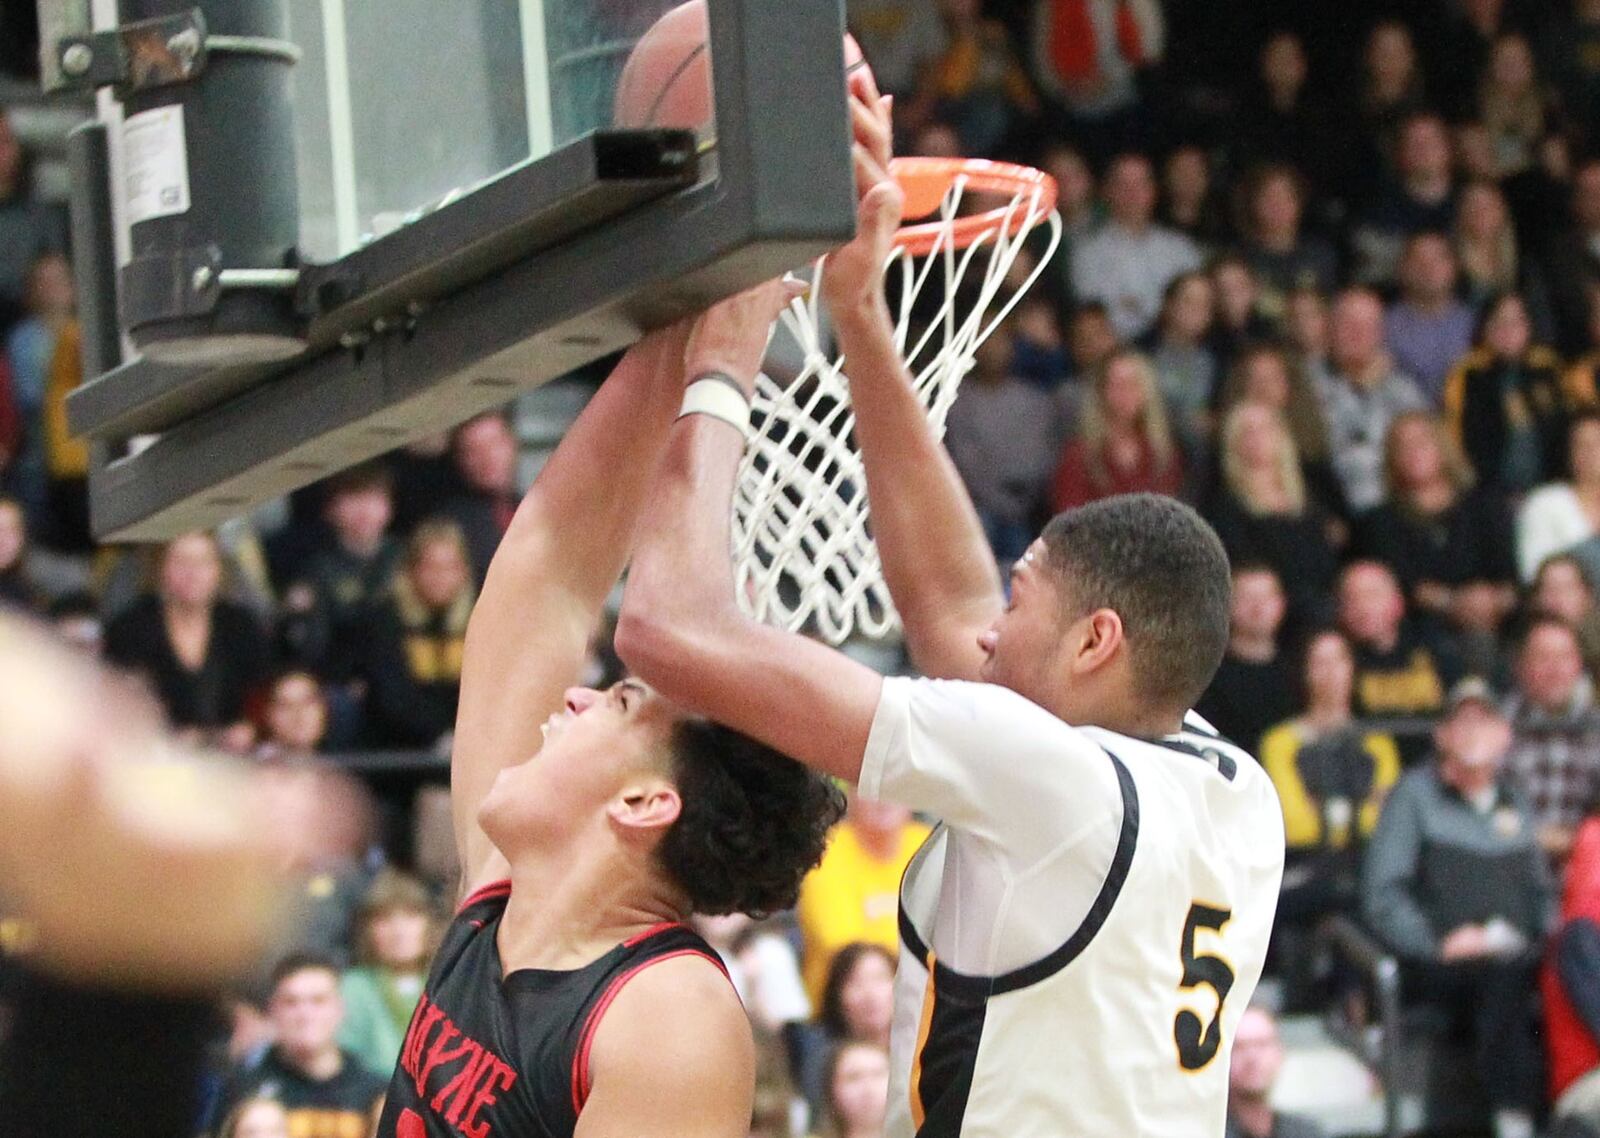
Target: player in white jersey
1087, 923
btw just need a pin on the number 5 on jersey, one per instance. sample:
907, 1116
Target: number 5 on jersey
1198, 1042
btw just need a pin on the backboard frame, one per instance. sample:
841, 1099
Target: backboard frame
445, 344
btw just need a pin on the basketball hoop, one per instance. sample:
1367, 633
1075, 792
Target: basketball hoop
802, 550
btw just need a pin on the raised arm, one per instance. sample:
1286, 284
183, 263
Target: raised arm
681, 629
935, 558
541, 603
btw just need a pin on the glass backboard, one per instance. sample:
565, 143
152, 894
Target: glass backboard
403, 104
484, 195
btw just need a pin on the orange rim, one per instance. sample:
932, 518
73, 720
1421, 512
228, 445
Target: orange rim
926, 181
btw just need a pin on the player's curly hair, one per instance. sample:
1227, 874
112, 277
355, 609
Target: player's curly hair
753, 821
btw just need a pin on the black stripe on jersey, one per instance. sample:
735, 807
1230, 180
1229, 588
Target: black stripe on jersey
1214, 756
972, 987
948, 1059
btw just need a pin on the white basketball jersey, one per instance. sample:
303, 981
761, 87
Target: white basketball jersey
1084, 928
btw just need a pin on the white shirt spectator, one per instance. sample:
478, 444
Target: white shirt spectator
1128, 272
1551, 521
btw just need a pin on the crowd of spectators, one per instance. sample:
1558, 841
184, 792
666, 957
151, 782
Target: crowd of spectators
1330, 273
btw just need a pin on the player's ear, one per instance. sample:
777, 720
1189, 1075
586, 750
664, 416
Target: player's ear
645, 808
1098, 639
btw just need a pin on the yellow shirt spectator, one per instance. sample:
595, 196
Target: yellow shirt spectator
854, 894
1303, 816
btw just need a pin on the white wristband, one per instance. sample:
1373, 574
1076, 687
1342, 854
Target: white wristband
720, 398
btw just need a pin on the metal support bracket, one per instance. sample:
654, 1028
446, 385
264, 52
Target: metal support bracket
155, 53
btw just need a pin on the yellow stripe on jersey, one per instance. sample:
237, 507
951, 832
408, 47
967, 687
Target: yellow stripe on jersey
918, 1115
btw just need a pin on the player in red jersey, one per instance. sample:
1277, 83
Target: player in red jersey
568, 997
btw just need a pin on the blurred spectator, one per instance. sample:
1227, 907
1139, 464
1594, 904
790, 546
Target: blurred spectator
1081, 210
1570, 983
394, 942
1448, 543
256, 1118
1427, 328
1280, 123
1186, 371
66, 456
1129, 261
295, 717
1190, 201
776, 1111
28, 228
1584, 374
76, 619
1038, 348
1561, 588
899, 37
1458, 51
1257, 1058
1565, 516
1400, 669
332, 884
1264, 373
1456, 884
325, 1089
415, 641
976, 84
424, 479
1420, 196
1507, 403
1240, 321
1090, 341
348, 567
1485, 244
854, 894
1572, 265
1511, 103
1001, 434
1307, 321
1263, 512
1283, 256
1570, 50
485, 452
765, 972
1253, 688
1123, 443
1361, 393
1331, 776
30, 348
1391, 92
1554, 761
858, 996
203, 654
16, 583
858, 1092
1087, 56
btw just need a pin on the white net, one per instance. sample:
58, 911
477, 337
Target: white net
803, 549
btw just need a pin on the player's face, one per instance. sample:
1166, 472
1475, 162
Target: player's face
1021, 646
597, 744
306, 1010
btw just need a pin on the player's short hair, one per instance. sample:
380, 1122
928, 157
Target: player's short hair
753, 821
298, 962
1154, 562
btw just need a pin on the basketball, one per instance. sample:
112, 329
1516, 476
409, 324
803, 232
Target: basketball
667, 79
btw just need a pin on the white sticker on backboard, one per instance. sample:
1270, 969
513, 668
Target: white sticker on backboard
155, 163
